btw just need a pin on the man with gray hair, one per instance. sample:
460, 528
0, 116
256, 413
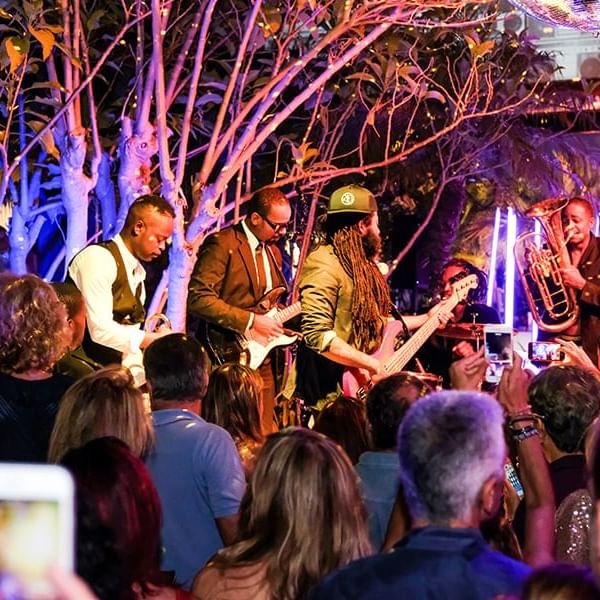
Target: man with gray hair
452, 452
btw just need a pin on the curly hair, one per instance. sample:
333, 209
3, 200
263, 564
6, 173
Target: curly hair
33, 324
568, 398
477, 294
103, 403
302, 516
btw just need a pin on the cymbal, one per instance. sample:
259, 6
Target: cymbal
462, 331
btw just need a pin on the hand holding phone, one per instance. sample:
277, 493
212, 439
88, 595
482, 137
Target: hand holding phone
512, 391
578, 356
467, 373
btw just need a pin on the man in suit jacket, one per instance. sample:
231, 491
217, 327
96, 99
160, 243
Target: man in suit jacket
235, 267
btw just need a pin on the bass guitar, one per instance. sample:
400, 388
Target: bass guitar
357, 382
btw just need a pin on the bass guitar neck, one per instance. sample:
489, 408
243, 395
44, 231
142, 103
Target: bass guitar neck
356, 382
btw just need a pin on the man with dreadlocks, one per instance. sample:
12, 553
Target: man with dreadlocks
345, 299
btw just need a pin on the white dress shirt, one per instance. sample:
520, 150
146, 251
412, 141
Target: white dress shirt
254, 243
94, 271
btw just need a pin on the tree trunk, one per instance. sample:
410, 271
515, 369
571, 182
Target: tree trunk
136, 151
183, 259
181, 265
76, 190
105, 191
19, 243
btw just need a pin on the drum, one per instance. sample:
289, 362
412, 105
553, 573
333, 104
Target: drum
425, 383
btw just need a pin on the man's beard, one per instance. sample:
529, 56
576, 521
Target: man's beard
372, 246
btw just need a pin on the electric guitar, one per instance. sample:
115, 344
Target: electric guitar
250, 348
356, 382
257, 346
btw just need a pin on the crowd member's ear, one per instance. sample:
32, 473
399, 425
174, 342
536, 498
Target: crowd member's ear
490, 496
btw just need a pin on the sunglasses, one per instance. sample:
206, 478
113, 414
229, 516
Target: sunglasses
458, 277
274, 226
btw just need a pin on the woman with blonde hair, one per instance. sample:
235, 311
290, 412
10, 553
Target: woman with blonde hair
301, 518
234, 402
33, 337
104, 403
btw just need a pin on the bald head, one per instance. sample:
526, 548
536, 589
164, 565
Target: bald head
262, 201
585, 204
578, 222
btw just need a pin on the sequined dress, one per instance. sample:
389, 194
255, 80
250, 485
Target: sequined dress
572, 523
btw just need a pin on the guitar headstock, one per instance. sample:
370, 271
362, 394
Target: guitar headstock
460, 289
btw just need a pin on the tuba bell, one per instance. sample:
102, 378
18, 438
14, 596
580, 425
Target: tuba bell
539, 258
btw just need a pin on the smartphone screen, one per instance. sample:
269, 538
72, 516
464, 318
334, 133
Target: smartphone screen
498, 346
545, 352
513, 479
36, 524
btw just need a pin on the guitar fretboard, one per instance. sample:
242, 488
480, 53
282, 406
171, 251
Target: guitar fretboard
285, 314
397, 361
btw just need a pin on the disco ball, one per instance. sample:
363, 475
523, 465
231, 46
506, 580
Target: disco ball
577, 14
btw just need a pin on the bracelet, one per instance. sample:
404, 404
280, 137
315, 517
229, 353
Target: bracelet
523, 411
521, 418
520, 435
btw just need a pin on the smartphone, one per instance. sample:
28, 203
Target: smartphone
498, 350
513, 479
36, 524
545, 352
498, 343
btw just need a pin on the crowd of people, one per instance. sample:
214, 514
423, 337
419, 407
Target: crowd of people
186, 487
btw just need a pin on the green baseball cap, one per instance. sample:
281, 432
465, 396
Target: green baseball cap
351, 199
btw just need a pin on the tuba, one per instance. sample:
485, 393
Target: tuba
539, 258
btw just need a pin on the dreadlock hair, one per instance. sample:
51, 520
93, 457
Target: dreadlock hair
370, 298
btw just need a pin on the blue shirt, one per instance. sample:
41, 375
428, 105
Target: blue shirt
432, 563
197, 471
379, 478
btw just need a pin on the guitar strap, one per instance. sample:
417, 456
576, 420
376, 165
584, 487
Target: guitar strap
396, 314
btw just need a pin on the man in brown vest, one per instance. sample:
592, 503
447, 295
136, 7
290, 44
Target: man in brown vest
111, 279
